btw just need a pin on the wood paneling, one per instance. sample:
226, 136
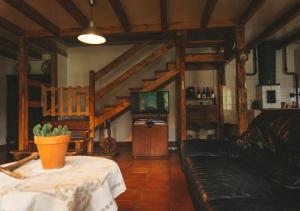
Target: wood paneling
121, 14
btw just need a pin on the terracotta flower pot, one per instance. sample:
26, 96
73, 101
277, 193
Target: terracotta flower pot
52, 150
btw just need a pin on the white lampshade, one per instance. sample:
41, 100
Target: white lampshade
91, 35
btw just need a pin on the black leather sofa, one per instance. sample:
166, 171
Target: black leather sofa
257, 172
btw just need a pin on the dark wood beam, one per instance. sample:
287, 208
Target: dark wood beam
13, 46
205, 43
75, 12
121, 15
289, 39
280, 22
50, 46
8, 54
163, 15
250, 11
208, 10
34, 15
11, 27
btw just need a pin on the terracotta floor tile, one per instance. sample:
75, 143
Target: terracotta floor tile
180, 194
157, 183
134, 180
181, 207
155, 196
130, 195
150, 206
124, 205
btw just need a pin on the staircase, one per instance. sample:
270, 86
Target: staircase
73, 107
123, 102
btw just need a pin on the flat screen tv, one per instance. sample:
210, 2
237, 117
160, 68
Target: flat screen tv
150, 102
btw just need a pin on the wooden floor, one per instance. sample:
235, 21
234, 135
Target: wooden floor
153, 185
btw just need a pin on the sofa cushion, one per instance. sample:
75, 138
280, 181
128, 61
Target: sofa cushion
219, 178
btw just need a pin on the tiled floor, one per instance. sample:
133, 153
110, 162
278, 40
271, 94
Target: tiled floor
153, 184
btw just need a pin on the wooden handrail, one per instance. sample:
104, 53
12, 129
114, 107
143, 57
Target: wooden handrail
36, 83
122, 58
149, 59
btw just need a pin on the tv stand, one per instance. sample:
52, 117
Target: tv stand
149, 136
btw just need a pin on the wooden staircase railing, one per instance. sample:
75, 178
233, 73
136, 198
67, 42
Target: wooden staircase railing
122, 58
148, 60
65, 101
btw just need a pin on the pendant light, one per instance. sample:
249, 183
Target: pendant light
91, 35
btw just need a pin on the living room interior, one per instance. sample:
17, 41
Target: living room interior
176, 105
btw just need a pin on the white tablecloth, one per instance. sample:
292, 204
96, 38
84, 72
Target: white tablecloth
84, 183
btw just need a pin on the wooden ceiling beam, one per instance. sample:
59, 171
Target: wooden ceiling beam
121, 14
280, 22
34, 15
13, 46
208, 10
205, 43
8, 54
11, 27
289, 39
250, 11
163, 15
50, 46
74, 12
135, 29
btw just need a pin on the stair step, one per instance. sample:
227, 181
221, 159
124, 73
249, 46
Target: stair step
149, 80
135, 89
158, 73
171, 66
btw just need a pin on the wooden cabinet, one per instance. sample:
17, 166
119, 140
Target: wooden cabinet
150, 140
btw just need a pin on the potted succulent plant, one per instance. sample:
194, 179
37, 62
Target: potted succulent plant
52, 144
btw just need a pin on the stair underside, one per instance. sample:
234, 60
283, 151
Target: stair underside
149, 85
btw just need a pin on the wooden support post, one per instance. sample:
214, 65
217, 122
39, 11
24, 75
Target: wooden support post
180, 51
54, 69
220, 78
23, 95
91, 111
241, 94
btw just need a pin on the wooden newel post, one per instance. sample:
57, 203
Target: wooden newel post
91, 111
180, 53
221, 83
241, 94
23, 95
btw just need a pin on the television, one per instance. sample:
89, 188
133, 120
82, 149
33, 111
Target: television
150, 102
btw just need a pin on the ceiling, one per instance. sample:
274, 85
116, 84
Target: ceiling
128, 21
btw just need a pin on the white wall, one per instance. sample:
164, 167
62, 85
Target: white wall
83, 59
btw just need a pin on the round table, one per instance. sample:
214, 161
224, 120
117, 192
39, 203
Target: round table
84, 183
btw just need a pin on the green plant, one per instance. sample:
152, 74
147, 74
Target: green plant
48, 130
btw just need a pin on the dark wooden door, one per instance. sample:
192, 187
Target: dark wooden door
159, 140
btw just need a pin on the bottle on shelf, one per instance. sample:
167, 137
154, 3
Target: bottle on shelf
198, 93
208, 93
212, 94
203, 94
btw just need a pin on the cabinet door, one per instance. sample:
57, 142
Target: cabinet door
140, 140
159, 140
